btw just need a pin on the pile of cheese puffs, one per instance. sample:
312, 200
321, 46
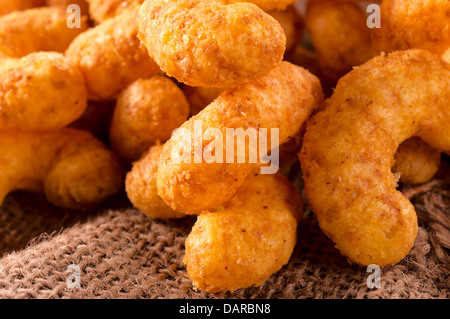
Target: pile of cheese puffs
101, 96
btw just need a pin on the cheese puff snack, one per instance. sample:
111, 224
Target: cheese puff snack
282, 100
211, 44
147, 111
416, 162
39, 29
292, 24
348, 151
71, 167
101, 10
39, 92
339, 35
8, 6
406, 24
249, 239
111, 56
141, 187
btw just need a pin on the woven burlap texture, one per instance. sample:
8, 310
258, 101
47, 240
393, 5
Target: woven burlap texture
123, 254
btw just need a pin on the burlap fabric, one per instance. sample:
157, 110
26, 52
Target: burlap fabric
122, 254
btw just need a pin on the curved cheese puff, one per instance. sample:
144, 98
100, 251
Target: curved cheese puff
40, 92
283, 99
39, 29
247, 241
211, 43
348, 151
74, 169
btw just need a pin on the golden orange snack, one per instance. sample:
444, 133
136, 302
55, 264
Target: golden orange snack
292, 24
199, 98
211, 44
147, 112
407, 24
8, 6
340, 36
39, 92
282, 100
349, 147
101, 10
141, 187
268, 5
71, 167
111, 56
39, 29
416, 162
249, 239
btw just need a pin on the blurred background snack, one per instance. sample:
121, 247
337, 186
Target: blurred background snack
146, 113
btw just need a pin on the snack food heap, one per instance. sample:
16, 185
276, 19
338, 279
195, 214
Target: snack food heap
359, 109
